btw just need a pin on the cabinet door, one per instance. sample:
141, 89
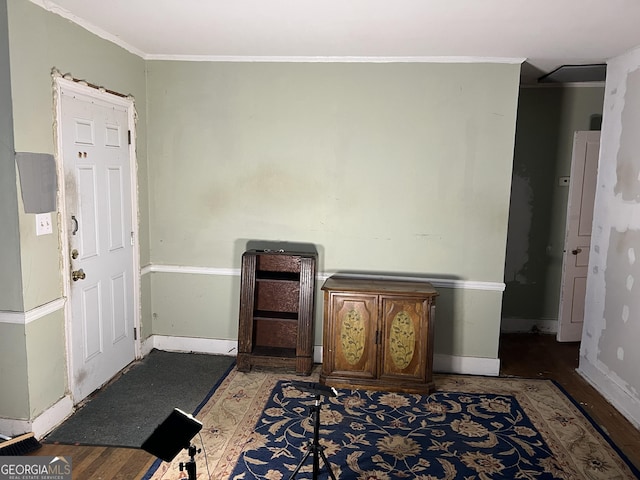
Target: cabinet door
404, 338
352, 323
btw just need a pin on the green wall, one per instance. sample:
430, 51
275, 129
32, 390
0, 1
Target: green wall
47, 366
39, 41
547, 120
402, 169
10, 279
14, 396
13, 358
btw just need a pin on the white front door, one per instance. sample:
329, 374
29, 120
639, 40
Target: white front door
582, 190
96, 158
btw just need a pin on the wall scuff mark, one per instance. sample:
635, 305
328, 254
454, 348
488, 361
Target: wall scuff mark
628, 160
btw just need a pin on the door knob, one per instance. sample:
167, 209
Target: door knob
576, 251
78, 275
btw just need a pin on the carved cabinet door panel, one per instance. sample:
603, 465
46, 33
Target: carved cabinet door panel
352, 336
404, 338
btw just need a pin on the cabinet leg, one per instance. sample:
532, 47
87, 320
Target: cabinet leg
242, 363
304, 365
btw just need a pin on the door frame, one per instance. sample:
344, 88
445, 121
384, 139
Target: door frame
99, 93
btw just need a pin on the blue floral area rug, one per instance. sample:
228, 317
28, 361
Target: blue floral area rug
380, 435
259, 425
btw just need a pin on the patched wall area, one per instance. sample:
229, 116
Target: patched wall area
619, 339
628, 159
609, 355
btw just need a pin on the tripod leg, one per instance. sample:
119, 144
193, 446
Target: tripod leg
326, 464
295, 472
316, 461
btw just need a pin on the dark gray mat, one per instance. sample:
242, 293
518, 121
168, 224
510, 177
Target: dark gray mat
126, 412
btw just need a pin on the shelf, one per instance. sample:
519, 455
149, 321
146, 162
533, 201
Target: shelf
275, 276
275, 332
276, 310
278, 263
274, 351
277, 295
263, 315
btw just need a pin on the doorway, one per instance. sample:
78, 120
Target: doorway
582, 192
98, 208
548, 118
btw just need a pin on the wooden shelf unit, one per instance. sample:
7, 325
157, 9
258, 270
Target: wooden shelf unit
277, 295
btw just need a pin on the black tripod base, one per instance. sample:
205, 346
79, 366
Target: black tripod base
318, 452
190, 466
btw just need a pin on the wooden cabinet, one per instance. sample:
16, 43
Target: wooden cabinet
378, 334
277, 293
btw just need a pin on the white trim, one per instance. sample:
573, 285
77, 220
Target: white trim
146, 346
322, 276
610, 390
64, 13
43, 423
53, 416
333, 59
64, 85
233, 272
436, 282
528, 325
24, 318
193, 344
443, 363
12, 428
204, 345
13, 317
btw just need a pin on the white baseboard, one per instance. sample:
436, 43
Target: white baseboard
201, 345
528, 325
609, 389
193, 344
441, 363
43, 423
466, 365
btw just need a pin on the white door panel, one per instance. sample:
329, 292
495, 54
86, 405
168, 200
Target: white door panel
99, 221
582, 188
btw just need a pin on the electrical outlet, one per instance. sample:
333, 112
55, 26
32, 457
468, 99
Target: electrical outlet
43, 224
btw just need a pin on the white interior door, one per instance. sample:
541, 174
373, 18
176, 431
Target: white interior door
96, 158
582, 188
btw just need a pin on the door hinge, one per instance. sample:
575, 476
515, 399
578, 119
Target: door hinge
129, 136
135, 333
133, 242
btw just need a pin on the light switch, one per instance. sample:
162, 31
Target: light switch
43, 224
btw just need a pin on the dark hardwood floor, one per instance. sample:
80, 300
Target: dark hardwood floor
540, 356
523, 355
101, 463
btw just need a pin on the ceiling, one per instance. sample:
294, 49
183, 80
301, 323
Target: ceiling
545, 34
